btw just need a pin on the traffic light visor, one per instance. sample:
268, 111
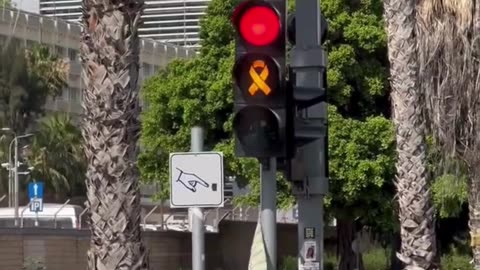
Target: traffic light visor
259, 25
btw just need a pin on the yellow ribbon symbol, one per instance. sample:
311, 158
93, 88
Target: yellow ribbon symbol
259, 79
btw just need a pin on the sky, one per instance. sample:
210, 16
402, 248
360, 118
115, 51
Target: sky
27, 5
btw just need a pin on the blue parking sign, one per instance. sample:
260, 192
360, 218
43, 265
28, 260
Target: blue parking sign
35, 196
35, 190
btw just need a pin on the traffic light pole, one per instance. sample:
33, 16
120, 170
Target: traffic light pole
310, 195
268, 216
197, 224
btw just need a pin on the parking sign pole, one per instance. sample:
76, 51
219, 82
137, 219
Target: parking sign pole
15, 187
197, 220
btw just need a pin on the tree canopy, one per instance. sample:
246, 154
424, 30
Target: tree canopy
361, 136
199, 92
27, 78
57, 155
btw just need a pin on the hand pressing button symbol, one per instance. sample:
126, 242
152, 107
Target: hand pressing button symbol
191, 180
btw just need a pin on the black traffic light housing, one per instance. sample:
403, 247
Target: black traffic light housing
304, 129
261, 119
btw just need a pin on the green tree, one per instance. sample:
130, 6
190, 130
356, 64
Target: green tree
191, 92
27, 78
5, 3
57, 155
361, 167
450, 184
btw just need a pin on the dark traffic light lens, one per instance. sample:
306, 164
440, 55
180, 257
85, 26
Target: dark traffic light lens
259, 25
257, 128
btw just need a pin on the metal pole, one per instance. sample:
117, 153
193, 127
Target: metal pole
268, 215
16, 188
58, 211
10, 174
198, 231
314, 155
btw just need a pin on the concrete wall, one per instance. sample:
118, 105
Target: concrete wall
64, 39
66, 249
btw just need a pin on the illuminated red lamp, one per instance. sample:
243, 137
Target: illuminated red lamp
259, 25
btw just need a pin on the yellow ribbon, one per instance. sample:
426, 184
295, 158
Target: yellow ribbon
259, 79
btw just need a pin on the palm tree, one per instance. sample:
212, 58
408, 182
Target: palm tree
110, 56
27, 78
24, 88
448, 33
57, 155
417, 226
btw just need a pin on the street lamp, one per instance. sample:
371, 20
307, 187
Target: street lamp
29, 171
10, 172
16, 175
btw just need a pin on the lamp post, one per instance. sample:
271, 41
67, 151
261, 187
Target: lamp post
10, 166
17, 221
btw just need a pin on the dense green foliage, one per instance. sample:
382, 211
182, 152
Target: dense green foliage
361, 166
57, 155
27, 78
199, 92
377, 259
5, 3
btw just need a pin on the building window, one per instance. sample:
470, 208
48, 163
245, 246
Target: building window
146, 70
60, 51
75, 94
72, 55
31, 44
64, 95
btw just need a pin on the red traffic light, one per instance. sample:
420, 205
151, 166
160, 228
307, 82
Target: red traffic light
259, 25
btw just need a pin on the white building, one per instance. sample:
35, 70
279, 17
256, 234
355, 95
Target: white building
171, 21
64, 38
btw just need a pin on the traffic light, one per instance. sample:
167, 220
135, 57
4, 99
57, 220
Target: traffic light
260, 95
307, 91
304, 97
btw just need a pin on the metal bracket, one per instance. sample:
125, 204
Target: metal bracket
308, 96
313, 57
307, 188
265, 163
307, 130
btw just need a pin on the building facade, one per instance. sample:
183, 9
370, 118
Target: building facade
171, 21
63, 37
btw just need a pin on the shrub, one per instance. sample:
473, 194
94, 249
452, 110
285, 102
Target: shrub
289, 263
33, 264
455, 261
375, 259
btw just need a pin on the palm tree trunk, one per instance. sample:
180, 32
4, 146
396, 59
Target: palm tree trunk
474, 212
416, 213
110, 56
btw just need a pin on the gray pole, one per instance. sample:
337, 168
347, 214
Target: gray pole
10, 174
10, 184
315, 184
198, 228
15, 186
268, 215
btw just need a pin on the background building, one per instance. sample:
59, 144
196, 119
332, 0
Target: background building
64, 38
173, 21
